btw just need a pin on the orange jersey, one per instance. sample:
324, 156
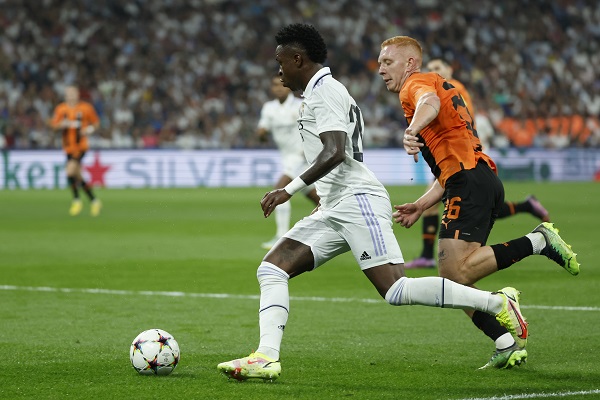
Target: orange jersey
451, 142
464, 93
73, 140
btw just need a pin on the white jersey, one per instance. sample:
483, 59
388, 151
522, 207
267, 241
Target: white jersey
328, 106
281, 120
485, 130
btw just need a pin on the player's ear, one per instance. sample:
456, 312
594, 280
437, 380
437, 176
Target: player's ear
298, 60
411, 63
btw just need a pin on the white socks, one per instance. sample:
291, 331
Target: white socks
439, 292
504, 341
538, 241
274, 308
427, 291
283, 215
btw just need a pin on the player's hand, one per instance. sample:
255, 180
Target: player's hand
272, 199
64, 124
407, 214
262, 135
88, 130
411, 143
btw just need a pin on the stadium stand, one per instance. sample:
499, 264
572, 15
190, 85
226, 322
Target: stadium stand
193, 73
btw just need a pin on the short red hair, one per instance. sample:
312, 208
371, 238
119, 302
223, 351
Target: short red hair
404, 41
409, 46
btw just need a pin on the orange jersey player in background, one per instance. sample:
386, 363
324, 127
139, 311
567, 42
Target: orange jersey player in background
76, 119
441, 128
431, 216
444, 69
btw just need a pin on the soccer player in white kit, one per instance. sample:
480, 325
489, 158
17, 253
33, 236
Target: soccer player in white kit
355, 214
279, 118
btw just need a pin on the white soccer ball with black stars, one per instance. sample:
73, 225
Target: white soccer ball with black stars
154, 352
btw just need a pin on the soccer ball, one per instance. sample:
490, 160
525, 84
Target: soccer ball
154, 352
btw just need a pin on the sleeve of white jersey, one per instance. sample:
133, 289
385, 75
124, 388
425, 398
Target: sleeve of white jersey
331, 111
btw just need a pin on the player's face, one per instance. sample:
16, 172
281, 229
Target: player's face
445, 71
279, 91
288, 70
393, 65
71, 94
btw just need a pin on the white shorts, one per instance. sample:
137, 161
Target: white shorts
293, 165
361, 223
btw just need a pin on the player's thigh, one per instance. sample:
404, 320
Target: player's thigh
452, 259
472, 199
384, 276
291, 256
365, 222
317, 243
73, 167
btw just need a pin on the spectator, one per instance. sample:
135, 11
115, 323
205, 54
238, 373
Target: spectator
168, 64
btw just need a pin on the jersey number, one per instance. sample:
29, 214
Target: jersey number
357, 135
453, 209
464, 112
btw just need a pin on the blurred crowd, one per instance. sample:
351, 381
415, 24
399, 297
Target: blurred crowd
193, 74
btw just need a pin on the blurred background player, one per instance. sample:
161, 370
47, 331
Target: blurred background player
279, 117
431, 216
76, 120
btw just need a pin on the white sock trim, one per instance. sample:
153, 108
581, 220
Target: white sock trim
504, 341
394, 293
538, 241
266, 268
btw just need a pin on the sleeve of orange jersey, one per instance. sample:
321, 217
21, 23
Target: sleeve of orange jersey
418, 86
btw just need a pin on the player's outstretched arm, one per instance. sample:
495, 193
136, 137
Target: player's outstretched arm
409, 213
427, 109
411, 143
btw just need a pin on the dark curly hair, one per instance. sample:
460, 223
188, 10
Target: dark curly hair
307, 38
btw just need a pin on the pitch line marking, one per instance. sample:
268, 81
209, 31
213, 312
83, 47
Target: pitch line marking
235, 296
537, 395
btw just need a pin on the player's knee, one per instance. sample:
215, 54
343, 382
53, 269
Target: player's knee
458, 273
268, 272
394, 293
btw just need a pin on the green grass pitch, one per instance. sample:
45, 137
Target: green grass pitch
106, 279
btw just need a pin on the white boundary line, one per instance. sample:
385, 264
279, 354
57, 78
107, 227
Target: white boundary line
234, 296
317, 299
537, 395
